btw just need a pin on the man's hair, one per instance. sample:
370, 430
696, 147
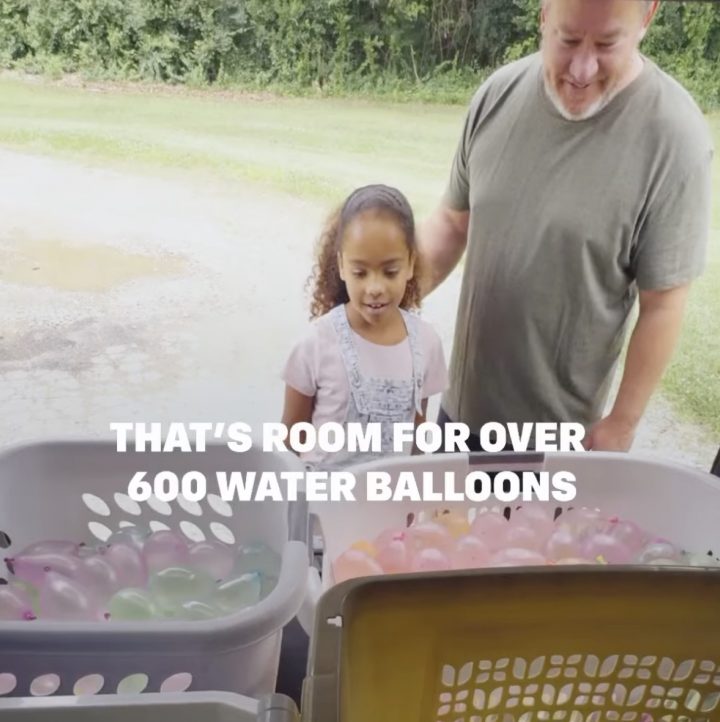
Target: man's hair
645, 3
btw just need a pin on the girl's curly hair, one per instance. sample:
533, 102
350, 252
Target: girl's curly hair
328, 289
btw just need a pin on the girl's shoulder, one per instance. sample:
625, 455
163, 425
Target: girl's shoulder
425, 330
319, 331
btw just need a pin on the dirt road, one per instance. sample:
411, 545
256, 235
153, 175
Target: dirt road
168, 299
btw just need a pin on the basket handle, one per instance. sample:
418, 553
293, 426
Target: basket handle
506, 461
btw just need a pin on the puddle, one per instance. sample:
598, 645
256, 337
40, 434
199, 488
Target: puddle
73, 267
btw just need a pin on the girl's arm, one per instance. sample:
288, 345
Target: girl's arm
298, 407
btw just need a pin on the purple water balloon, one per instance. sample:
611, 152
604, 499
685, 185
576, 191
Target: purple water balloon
35, 567
51, 546
15, 604
212, 557
165, 549
65, 599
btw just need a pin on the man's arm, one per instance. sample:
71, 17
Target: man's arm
441, 239
651, 347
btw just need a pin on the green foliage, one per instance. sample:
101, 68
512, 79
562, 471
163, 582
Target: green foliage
330, 46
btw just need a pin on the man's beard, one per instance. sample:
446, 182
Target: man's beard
593, 109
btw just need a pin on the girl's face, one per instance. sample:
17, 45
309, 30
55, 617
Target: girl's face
375, 264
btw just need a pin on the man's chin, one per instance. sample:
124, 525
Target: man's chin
577, 111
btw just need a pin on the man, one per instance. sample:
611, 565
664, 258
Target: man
581, 181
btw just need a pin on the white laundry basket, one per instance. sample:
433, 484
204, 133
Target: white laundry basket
186, 707
72, 489
679, 503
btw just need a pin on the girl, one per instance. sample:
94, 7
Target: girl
366, 358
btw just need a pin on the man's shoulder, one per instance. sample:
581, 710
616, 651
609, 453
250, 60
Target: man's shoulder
504, 80
673, 114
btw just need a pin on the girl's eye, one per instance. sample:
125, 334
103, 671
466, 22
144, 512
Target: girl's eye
391, 274
570, 42
358, 274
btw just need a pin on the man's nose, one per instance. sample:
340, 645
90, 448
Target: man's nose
583, 66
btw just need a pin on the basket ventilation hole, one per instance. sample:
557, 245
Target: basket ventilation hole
177, 682
3, 581
4, 540
88, 685
158, 526
222, 532
127, 504
192, 531
161, 507
219, 506
44, 685
96, 505
191, 507
335, 621
99, 531
8, 682
124, 524
133, 684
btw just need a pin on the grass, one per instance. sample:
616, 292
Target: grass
282, 142
318, 149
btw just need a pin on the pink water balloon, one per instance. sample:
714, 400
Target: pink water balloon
520, 535
628, 532
573, 561
164, 549
129, 565
430, 534
491, 528
537, 517
604, 547
516, 557
470, 553
563, 543
394, 557
212, 557
582, 521
15, 604
388, 535
98, 577
429, 559
354, 563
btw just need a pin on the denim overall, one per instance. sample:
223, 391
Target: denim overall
376, 400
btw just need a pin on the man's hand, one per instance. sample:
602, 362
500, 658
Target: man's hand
610, 434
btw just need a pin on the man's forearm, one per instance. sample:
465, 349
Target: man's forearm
651, 347
441, 242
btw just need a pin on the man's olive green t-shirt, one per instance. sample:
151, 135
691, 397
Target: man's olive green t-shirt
568, 219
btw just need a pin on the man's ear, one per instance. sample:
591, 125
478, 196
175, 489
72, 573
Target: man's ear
543, 13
